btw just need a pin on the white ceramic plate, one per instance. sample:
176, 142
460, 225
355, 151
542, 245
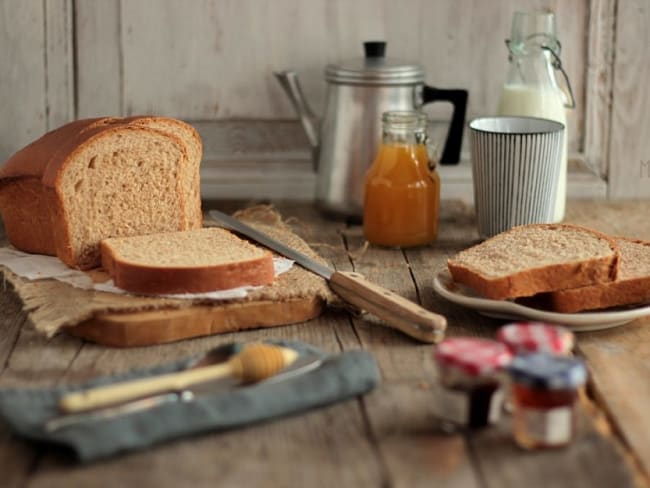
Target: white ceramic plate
505, 309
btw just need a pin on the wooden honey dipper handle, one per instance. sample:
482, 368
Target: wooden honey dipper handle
255, 363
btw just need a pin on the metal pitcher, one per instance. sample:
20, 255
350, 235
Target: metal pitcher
345, 142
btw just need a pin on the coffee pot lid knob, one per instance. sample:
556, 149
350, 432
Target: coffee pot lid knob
374, 49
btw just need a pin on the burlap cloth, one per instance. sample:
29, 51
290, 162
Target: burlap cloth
52, 305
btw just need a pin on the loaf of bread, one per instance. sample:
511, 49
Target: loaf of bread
632, 284
98, 178
190, 261
532, 259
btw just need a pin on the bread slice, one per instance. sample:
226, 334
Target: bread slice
98, 178
190, 261
632, 284
531, 259
189, 172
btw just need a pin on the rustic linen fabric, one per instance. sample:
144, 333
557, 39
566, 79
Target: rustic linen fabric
52, 305
340, 377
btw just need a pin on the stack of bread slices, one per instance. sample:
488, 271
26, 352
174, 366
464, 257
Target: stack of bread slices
124, 192
562, 267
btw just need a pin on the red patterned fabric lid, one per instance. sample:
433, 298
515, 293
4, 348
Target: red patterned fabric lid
474, 357
524, 337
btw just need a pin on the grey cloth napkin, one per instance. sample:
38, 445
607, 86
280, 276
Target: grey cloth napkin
338, 378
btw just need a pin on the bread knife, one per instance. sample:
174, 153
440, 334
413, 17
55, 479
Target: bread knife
394, 310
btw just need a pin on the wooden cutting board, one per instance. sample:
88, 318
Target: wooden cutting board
122, 320
146, 328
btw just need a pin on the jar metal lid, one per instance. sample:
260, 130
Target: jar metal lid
526, 337
547, 371
473, 357
375, 69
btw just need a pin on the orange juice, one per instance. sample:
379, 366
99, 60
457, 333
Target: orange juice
402, 197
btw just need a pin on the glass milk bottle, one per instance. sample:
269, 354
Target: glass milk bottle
531, 87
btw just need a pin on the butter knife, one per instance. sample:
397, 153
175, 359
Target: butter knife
396, 311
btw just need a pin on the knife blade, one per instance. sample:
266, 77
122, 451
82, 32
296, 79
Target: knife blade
395, 310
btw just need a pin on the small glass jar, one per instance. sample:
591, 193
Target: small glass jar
545, 388
529, 337
402, 191
471, 370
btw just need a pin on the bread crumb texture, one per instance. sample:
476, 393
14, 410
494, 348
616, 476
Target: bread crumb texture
635, 259
125, 184
192, 248
533, 246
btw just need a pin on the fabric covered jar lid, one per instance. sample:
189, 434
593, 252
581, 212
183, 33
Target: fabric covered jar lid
473, 357
548, 371
526, 337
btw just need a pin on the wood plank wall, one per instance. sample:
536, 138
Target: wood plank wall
213, 60
36, 74
629, 153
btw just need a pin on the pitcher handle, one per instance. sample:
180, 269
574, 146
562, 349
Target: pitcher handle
458, 98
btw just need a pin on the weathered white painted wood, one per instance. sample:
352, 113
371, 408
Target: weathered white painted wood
22, 74
59, 62
99, 64
598, 83
630, 145
211, 59
464, 41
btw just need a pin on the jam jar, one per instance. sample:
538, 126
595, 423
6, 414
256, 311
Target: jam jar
545, 388
529, 337
402, 192
471, 370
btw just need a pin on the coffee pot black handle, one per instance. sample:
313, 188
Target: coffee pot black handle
458, 98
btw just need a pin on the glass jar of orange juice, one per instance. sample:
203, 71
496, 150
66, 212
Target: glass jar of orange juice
402, 195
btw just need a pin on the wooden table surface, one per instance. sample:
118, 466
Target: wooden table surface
390, 437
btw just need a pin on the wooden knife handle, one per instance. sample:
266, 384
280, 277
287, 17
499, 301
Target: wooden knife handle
398, 312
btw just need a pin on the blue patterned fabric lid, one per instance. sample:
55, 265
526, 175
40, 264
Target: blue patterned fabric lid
542, 370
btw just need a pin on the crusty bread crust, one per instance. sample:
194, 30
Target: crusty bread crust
542, 279
138, 278
27, 215
33, 159
24, 201
605, 295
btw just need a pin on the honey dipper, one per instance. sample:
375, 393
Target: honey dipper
254, 363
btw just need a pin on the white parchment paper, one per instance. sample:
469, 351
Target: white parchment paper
39, 267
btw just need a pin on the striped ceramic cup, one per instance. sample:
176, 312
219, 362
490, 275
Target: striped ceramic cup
515, 168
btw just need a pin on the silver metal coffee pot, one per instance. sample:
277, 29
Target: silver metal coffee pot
359, 91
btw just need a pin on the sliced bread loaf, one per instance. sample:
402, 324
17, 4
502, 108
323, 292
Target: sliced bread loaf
531, 259
190, 261
632, 284
99, 178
